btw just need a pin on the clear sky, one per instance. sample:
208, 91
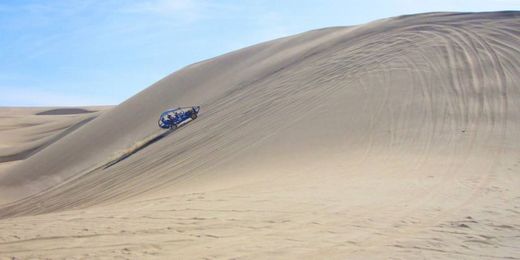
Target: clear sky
101, 52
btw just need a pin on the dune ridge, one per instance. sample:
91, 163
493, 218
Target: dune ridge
396, 138
23, 134
64, 111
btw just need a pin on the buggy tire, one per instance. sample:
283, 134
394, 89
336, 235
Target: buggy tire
194, 116
173, 127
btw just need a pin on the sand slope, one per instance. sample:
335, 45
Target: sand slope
397, 138
26, 131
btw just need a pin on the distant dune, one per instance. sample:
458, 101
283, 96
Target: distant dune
64, 111
399, 138
24, 134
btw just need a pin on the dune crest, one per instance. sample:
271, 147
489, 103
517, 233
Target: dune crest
64, 111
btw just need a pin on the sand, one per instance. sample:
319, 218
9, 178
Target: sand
64, 111
398, 138
26, 131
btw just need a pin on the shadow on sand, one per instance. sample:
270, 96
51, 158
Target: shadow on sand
138, 147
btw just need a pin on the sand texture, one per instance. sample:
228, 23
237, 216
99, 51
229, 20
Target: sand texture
26, 131
399, 138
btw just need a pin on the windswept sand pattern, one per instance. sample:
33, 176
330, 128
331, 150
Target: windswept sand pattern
398, 138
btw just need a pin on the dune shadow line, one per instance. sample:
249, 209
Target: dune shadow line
24, 154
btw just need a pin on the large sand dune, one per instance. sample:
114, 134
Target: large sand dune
397, 138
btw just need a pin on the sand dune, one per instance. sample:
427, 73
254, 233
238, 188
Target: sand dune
397, 138
24, 134
64, 111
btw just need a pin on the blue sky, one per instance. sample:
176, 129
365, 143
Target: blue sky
101, 52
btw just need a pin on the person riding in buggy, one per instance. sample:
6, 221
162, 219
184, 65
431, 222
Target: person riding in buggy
173, 118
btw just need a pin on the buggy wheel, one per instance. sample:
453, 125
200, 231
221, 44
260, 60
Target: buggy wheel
173, 127
193, 116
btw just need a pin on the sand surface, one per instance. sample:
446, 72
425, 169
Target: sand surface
398, 138
26, 131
